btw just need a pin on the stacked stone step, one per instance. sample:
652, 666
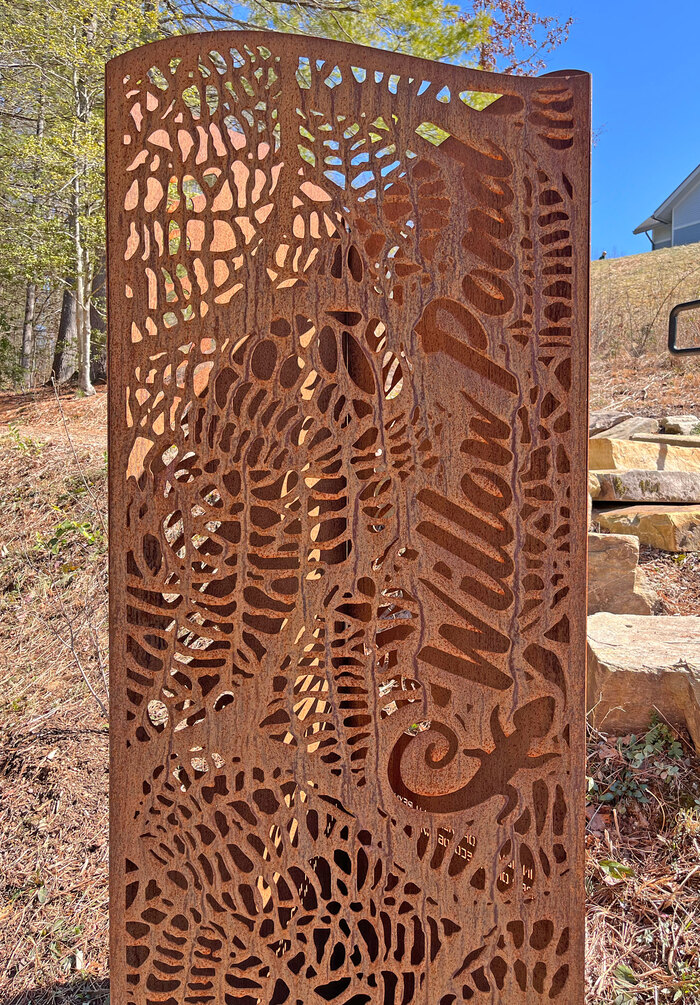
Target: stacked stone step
644, 479
645, 484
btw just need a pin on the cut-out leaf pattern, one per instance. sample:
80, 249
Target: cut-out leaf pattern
345, 295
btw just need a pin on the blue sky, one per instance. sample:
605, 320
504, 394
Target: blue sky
645, 62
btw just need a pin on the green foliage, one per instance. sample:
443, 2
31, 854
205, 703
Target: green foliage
52, 59
658, 742
616, 870
24, 444
428, 28
626, 977
634, 764
68, 532
10, 370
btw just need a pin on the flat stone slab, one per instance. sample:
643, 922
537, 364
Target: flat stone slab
624, 430
673, 487
607, 454
615, 583
669, 528
670, 439
599, 421
638, 666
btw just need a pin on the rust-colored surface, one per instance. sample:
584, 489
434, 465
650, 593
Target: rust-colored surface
348, 323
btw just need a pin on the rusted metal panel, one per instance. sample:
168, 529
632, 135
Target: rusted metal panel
348, 385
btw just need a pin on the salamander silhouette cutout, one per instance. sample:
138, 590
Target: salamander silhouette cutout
496, 769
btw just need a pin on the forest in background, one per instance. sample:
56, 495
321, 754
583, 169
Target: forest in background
52, 199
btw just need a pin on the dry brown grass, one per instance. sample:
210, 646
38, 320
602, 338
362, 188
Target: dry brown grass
631, 298
53, 750
658, 384
631, 368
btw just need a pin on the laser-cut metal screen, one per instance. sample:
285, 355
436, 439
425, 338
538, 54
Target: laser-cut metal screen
348, 359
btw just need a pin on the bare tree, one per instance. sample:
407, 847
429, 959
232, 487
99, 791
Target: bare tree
30, 295
62, 366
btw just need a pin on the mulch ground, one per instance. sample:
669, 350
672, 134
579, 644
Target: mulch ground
53, 734
675, 579
53, 860
643, 869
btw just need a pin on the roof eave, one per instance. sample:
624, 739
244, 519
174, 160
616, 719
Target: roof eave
648, 224
663, 214
666, 207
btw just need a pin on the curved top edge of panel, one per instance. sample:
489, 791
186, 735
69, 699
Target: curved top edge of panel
372, 58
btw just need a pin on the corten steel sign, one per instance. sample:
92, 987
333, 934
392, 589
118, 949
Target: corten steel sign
348, 336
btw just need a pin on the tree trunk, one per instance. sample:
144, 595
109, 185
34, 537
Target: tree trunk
63, 367
28, 332
30, 298
98, 325
82, 314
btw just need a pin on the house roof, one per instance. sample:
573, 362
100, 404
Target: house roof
663, 213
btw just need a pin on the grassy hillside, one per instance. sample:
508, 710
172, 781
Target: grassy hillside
631, 298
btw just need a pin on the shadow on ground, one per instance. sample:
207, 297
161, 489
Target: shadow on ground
77, 992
